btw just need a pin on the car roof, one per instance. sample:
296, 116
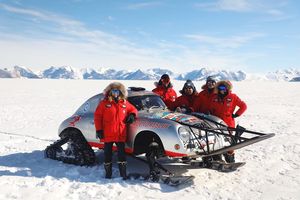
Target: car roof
139, 93
132, 92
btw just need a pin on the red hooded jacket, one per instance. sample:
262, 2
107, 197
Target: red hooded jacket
184, 101
225, 107
110, 116
203, 101
167, 94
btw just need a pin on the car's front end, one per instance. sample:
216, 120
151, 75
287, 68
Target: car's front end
176, 133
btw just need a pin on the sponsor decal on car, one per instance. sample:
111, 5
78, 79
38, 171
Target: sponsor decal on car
76, 119
86, 107
178, 117
150, 124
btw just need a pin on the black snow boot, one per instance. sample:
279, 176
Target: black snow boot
229, 157
108, 170
217, 158
122, 169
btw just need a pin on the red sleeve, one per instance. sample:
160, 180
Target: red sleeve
175, 104
242, 106
200, 103
155, 90
169, 97
175, 94
159, 93
131, 109
196, 104
98, 117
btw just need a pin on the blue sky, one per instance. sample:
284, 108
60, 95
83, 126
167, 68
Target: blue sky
250, 35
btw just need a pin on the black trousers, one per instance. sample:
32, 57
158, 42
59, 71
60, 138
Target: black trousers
108, 151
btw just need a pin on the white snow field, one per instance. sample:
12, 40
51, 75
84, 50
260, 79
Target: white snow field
31, 111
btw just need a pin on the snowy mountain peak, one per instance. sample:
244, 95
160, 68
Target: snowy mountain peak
203, 73
64, 72
4, 73
24, 72
67, 72
283, 75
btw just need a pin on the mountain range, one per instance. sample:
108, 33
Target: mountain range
67, 72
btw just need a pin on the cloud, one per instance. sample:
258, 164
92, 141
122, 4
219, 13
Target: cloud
66, 27
227, 5
110, 18
42, 15
43, 53
235, 5
275, 12
223, 42
72, 44
73, 36
142, 5
76, 45
262, 6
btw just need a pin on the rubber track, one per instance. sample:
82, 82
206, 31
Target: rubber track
83, 153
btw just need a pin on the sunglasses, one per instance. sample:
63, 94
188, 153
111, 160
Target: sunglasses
222, 88
211, 82
165, 80
115, 92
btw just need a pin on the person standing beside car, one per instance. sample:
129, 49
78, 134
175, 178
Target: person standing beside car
164, 89
111, 116
223, 105
203, 101
184, 103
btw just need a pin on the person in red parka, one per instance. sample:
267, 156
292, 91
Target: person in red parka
223, 105
164, 89
185, 102
111, 116
203, 101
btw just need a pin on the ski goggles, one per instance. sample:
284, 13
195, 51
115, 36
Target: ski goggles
222, 88
115, 92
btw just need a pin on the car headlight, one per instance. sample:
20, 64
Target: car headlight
196, 131
184, 134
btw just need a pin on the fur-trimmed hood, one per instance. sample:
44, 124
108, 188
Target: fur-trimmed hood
226, 83
159, 84
116, 85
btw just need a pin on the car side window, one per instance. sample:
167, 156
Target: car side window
90, 105
146, 102
136, 102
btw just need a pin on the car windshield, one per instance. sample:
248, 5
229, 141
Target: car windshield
146, 102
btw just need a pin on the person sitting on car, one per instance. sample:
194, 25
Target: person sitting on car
184, 103
164, 89
111, 116
223, 105
203, 101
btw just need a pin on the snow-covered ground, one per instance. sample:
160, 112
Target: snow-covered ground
31, 111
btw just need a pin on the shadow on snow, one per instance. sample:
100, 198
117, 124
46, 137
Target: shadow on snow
34, 164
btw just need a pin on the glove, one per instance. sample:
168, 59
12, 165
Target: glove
234, 115
178, 109
130, 118
184, 109
100, 134
188, 110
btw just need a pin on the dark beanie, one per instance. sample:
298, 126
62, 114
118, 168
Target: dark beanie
210, 78
188, 83
165, 76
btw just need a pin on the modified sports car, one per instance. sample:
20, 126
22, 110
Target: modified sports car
157, 132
